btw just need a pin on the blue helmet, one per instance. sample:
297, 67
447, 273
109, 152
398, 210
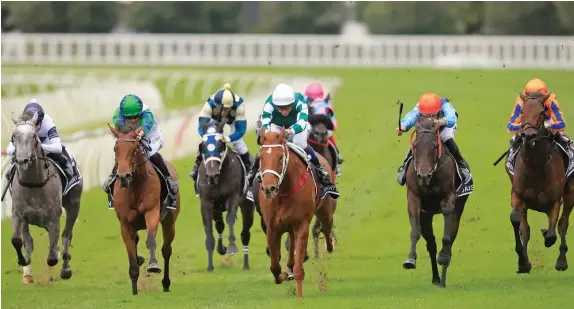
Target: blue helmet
34, 107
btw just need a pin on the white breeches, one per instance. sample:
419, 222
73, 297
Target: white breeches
301, 138
239, 145
447, 133
155, 142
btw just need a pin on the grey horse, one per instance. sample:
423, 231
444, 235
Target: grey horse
36, 188
221, 184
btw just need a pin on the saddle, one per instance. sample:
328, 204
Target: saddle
462, 189
567, 154
168, 203
320, 191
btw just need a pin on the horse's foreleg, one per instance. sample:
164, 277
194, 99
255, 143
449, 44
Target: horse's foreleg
17, 227
274, 245
290, 255
168, 229
521, 233
562, 263
27, 277
414, 206
207, 217
428, 235
302, 235
152, 224
550, 233
220, 227
53, 229
230, 218
72, 207
326, 216
247, 215
128, 237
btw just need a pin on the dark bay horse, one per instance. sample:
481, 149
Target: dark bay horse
221, 184
431, 189
288, 201
137, 202
539, 183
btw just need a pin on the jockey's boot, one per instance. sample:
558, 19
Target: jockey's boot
63, 162
253, 172
563, 140
108, 182
402, 177
196, 165
246, 159
171, 183
324, 176
462, 164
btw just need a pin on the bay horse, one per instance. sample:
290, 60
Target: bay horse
431, 189
288, 201
137, 203
221, 184
538, 182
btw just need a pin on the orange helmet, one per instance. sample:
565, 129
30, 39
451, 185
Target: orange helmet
535, 85
429, 103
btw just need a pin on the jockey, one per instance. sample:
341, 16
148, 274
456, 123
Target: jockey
133, 112
228, 107
48, 135
554, 118
432, 104
287, 108
315, 97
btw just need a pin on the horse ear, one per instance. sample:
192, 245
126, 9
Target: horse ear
282, 133
14, 118
221, 125
114, 131
523, 96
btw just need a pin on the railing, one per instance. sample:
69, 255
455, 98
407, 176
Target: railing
289, 50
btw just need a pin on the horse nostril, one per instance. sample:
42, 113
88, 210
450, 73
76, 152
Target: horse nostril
273, 188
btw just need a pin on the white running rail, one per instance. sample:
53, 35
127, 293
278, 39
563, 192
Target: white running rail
289, 50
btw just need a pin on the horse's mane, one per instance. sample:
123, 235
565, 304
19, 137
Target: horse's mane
124, 129
426, 123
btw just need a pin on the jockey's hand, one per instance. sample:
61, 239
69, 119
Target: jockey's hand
227, 139
139, 134
400, 130
289, 132
441, 122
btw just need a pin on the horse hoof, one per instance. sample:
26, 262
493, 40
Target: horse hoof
27, 279
140, 260
221, 250
410, 264
525, 269
52, 262
66, 274
232, 250
436, 281
246, 267
210, 269
561, 266
549, 241
289, 274
282, 277
154, 268
306, 258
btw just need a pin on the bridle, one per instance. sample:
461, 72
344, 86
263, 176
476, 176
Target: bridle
133, 140
31, 158
439, 152
284, 163
537, 129
220, 159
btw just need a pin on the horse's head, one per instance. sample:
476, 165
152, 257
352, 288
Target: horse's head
320, 133
24, 138
533, 110
274, 159
126, 151
213, 150
426, 148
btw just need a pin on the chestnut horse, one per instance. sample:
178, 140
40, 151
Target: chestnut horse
288, 201
431, 189
137, 202
539, 183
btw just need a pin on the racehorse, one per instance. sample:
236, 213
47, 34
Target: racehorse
431, 189
538, 182
221, 186
288, 202
39, 190
138, 204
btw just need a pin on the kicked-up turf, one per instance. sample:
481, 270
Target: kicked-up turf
365, 270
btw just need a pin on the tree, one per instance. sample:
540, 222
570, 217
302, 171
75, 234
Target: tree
300, 17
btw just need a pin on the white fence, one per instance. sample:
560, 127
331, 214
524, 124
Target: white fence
289, 50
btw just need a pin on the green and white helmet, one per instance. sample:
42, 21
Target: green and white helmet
283, 95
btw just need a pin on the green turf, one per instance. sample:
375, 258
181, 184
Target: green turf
26, 89
372, 223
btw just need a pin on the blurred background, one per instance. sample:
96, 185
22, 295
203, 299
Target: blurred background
295, 17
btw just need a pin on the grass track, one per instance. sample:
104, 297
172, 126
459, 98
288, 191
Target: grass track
372, 224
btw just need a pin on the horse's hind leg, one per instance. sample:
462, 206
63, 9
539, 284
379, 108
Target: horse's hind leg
230, 218
550, 233
428, 235
71, 204
220, 227
27, 277
168, 229
247, 215
518, 218
152, 224
316, 232
53, 229
563, 223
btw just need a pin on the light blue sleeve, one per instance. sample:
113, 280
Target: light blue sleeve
449, 113
411, 118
